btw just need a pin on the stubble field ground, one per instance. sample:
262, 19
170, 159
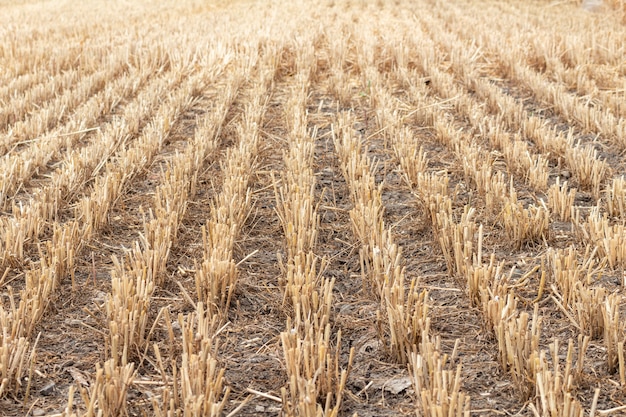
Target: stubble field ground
312, 208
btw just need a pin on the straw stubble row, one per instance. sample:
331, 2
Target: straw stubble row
404, 311
315, 378
143, 270
79, 165
58, 255
517, 346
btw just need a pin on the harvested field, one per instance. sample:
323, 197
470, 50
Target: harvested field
295, 208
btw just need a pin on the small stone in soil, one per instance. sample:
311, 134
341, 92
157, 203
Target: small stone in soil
48, 389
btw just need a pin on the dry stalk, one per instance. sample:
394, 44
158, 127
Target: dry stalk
614, 333
134, 280
339, 80
518, 345
524, 225
609, 240
56, 260
127, 308
368, 226
561, 200
437, 388
216, 277
57, 256
69, 409
315, 380
498, 305
478, 171
201, 385
517, 341
54, 111
93, 210
302, 279
202, 391
197, 387
588, 169
80, 165
432, 189
107, 396
554, 386
407, 316
456, 239
615, 195
14, 348
36, 296
481, 277
588, 310
571, 107
510, 114
296, 209
295, 198
367, 213
25, 164
15, 234
516, 153
567, 271
413, 160
170, 202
